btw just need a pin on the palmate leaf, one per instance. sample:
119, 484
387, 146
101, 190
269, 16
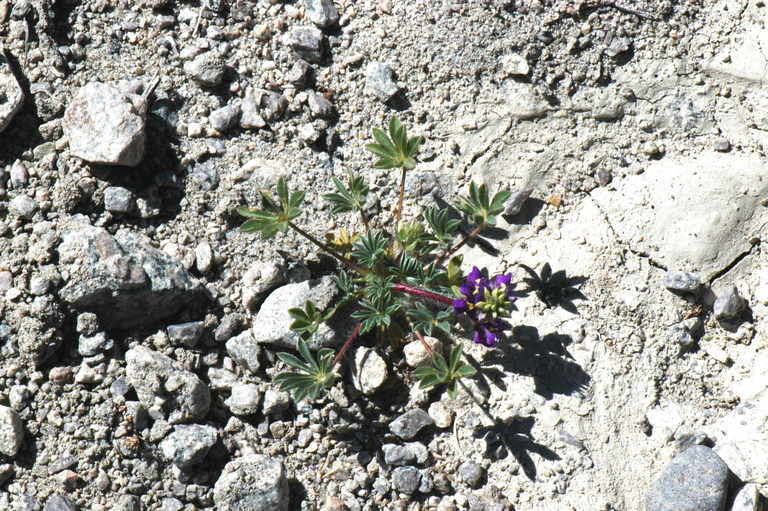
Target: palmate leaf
376, 312
370, 248
480, 207
442, 225
444, 371
313, 374
424, 319
308, 320
348, 198
412, 238
394, 148
275, 215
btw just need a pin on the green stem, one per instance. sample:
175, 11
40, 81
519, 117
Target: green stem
350, 339
460, 244
328, 249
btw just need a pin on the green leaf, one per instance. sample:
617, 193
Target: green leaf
370, 248
315, 373
274, 216
394, 148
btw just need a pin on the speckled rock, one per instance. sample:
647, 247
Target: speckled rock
322, 12
410, 423
11, 93
252, 483
11, 432
369, 371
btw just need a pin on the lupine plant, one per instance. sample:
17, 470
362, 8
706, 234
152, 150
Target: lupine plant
395, 282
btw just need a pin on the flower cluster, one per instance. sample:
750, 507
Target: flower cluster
485, 301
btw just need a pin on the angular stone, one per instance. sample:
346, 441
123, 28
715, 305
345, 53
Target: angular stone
729, 305
224, 118
119, 200
416, 354
207, 69
11, 432
442, 416
186, 334
161, 382
682, 282
471, 473
245, 399
275, 402
379, 79
307, 43
245, 351
23, 206
11, 94
252, 483
514, 65
410, 423
58, 502
105, 126
273, 322
695, 480
88, 346
406, 479
322, 12
398, 455
188, 444
369, 370
299, 74
515, 202
250, 115
123, 279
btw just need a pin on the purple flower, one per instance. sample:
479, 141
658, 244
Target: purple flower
485, 301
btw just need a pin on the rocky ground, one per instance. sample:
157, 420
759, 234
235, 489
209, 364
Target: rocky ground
138, 326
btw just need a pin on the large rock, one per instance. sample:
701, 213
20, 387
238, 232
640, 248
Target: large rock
273, 323
695, 480
11, 94
252, 483
741, 440
188, 444
699, 212
11, 432
106, 126
123, 278
163, 385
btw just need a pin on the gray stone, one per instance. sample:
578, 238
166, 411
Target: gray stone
6, 472
11, 94
272, 105
105, 126
250, 115
88, 346
161, 382
523, 103
39, 285
123, 279
322, 12
205, 175
729, 305
188, 444
410, 423
406, 479
379, 79
618, 47
186, 334
307, 43
171, 504
203, 257
272, 324
426, 485
471, 474
19, 176
11, 432
299, 74
514, 65
127, 503
229, 324
695, 480
682, 282
244, 350
87, 323
748, 498
319, 106
225, 118
23, 206
308, 133
398, 455
682, 336
275, 402
516, 200
722, 145
18, 397
252, 483
207, 69
369, 370
245, 399
58, 502
119, 200
416, 353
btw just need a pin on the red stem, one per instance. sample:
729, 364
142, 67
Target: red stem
423, 293
347, 343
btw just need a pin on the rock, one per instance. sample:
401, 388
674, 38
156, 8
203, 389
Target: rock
253, 483
11, 432
695, 480
245, 351
123, 279
250, 116
205, 175
203, 257
105, 126
188, 444
514, 65
319, 106
6, 472
472, 474
398, 455
307, 43
369, 371
127, 503
87, 323
207, 69
23, 206
682, 282
58, 502
740, 435
229, 324
19, 176
225, 118
442, 416
308, 134
299, 74
747, 499
275, 402
161, 382
272, 323
410, 423
379, 79
618, 47
416, 354
186, 334
119, 200
729, 305
322, 12
523, 103
406, 479
11, 94
514, 204
245, 399
273, 105
88, 346
722, 145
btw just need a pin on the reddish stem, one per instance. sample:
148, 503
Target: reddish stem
347, 343
423, 293
425, 344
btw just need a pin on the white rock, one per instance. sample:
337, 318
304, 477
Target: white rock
203, 257
416, 354
440, 413
369, 371
514, 65
11, 432
245, 399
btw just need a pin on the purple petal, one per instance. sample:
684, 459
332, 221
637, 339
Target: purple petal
476, 337
459, 305
503, 279
474, 275
466, 289
490, 338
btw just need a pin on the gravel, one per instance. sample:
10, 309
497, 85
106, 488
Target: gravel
254, 482
380, 80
